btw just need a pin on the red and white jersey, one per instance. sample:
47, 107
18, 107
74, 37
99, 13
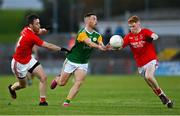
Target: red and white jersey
143, 51
25, 44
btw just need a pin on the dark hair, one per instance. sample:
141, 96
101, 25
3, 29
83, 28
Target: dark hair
89, 14
31, 17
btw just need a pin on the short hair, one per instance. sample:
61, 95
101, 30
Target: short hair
31, 17
133, 19
89, 14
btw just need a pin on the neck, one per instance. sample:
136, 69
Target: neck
89, 29
137, 31
31, 29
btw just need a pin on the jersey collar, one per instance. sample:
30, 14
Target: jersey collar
88, 31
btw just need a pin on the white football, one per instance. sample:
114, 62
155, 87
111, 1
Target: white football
116, 41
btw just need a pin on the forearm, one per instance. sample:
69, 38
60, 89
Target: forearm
90, 43
54, 47
51, 46
94, 45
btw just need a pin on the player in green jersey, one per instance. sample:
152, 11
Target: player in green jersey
77, 60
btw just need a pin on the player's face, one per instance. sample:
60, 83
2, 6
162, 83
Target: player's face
36, 25
134, 27
93, 21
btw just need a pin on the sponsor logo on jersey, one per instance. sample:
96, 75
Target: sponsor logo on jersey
94, 39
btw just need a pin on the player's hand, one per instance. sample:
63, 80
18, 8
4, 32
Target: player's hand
148, 39
65, 50
48, 28
42, 31
117, 48
102, 48
109, 47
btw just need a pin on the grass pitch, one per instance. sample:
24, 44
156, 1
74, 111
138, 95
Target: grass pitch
99, 95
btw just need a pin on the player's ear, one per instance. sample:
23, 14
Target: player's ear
30, 25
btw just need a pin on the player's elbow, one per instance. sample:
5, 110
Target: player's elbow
47, 45
155, 36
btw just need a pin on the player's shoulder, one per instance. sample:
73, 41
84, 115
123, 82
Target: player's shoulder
82, 30
97, 33
26, 31
145, 29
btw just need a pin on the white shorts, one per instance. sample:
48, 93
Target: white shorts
70, 67
20, 70
142, 69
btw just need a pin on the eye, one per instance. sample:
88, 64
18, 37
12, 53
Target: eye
132, 26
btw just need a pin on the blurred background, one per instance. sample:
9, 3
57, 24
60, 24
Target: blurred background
66, 17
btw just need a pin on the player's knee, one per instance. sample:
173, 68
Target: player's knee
79, 82
62, 83
148, 77
23, 86
43, 79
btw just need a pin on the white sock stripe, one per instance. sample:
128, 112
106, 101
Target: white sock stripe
42, 96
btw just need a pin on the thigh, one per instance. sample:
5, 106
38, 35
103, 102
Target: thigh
64, 77
151, 67
39, 71
150, 70
80, 74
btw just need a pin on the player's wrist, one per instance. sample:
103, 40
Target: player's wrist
64, 50
149, 39
99, 47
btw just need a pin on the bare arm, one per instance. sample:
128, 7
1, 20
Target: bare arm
35, 51
51, 46
152, 37
94, 45
109, 47
54, 47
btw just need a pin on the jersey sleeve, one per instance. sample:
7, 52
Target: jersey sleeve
126, 41
37, 40
82, 36
100, 39
148, 32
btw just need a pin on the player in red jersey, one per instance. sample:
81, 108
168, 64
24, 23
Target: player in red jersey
23, 62
140, 42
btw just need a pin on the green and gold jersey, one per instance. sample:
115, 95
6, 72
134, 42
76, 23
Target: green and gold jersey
81, 52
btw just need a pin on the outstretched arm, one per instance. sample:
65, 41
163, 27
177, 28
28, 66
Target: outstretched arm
153, 36
94, 45
53, 47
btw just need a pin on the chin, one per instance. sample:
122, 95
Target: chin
37, 31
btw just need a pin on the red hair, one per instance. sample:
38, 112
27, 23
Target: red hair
133, 19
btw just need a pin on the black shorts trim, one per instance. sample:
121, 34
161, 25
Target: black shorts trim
21, 77
31, 69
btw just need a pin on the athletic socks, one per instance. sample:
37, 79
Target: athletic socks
158, 91
43, 99
67, 100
